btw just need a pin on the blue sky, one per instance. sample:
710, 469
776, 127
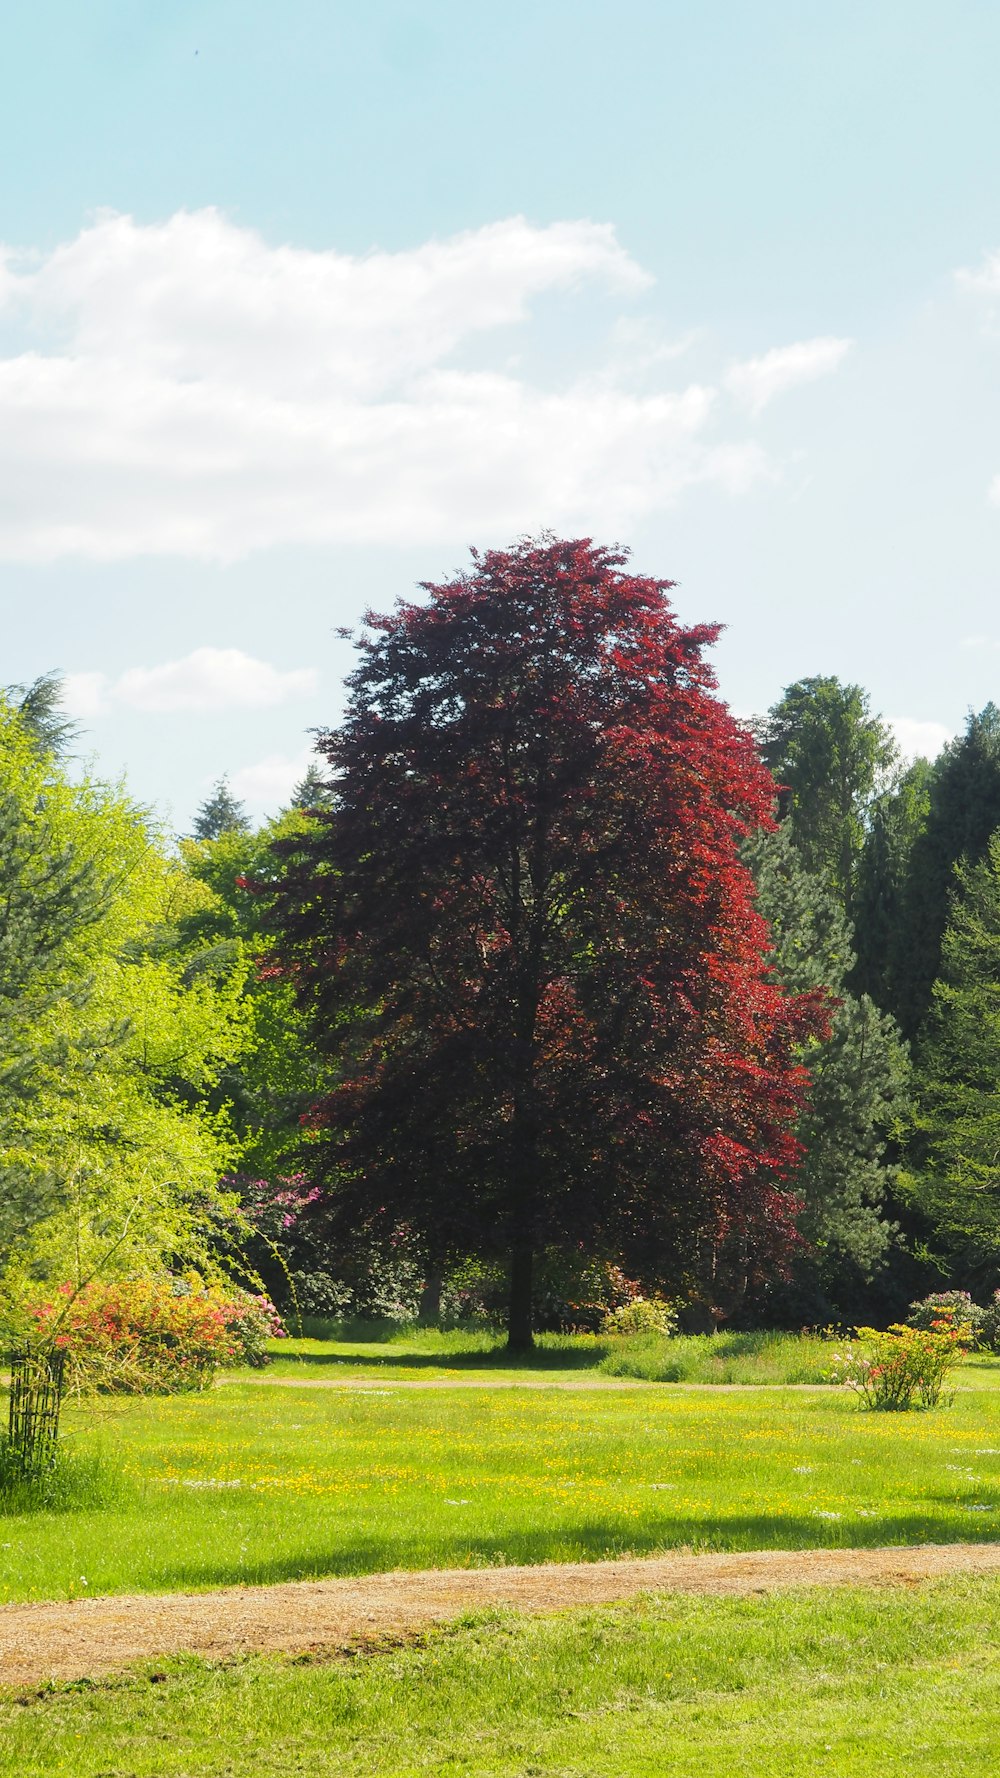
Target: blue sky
298, 301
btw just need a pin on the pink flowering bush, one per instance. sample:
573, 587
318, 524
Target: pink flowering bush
153, 1336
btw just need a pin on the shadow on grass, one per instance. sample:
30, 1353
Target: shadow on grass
586, 1543
543, 1358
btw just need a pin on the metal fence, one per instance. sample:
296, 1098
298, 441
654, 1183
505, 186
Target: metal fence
36, 1389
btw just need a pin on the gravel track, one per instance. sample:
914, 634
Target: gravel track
89, 1637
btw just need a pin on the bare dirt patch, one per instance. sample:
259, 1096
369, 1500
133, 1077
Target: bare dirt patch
89, 1637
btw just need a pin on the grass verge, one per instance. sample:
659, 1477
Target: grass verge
839, 1683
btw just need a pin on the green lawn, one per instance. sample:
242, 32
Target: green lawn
745, 1358
839, 1684
428, 1353
256, 1483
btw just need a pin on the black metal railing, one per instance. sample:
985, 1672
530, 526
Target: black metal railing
36, 1391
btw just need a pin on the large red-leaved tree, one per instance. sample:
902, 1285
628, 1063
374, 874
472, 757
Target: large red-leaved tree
525, 937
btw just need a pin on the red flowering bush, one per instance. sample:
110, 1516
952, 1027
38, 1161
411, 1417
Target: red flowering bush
153, 1336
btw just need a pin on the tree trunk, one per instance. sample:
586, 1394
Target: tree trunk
429, 1311
520, 1336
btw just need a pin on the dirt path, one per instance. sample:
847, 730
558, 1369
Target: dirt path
377, 1385
93, 1636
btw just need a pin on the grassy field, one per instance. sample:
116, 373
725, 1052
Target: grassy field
724, 1358
840, 1684
256, 1482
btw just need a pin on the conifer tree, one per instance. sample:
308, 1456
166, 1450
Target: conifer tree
220, 813
858, 1072
831, 756
963, 813
955, 1149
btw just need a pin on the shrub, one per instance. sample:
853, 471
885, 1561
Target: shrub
902, 1368
253, 1320
643, 1315
319, 1294
989, 1327
153, 1336
954, 1306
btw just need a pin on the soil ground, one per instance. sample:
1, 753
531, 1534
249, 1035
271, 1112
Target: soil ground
88, 1637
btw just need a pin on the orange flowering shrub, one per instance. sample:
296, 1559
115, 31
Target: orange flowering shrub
153, 1336
903, 1367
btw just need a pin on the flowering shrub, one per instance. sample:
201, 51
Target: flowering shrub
989, 1327
904, 1367
153, 1336
253, 1320
642, 1315
955, 1306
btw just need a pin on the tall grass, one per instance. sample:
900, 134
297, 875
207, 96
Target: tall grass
760, 1357
76, 1481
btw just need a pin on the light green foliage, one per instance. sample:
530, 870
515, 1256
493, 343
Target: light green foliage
859, 1074
275, 1077
956, 1148
842, 1682
112, 1039
832, 757
643, 1315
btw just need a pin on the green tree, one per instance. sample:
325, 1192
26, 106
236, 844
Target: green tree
963, 813
220, 813
858, 1074
114, 1036
39, 705
276, 1076
954, 1176
897, 820
312, 791
831, 757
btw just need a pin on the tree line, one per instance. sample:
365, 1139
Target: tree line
552, 972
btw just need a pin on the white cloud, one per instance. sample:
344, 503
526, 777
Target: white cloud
271, 781
983, 282
186, 389
757, 381
206, 679
84, 694
918, 740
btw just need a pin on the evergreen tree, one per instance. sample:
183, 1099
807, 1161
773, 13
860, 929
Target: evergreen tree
955, 1149
831, 757
897, 820
312, 791
963, 813
220, 813
858, 1074
39, 706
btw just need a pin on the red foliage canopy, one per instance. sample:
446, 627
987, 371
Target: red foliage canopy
526, 936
